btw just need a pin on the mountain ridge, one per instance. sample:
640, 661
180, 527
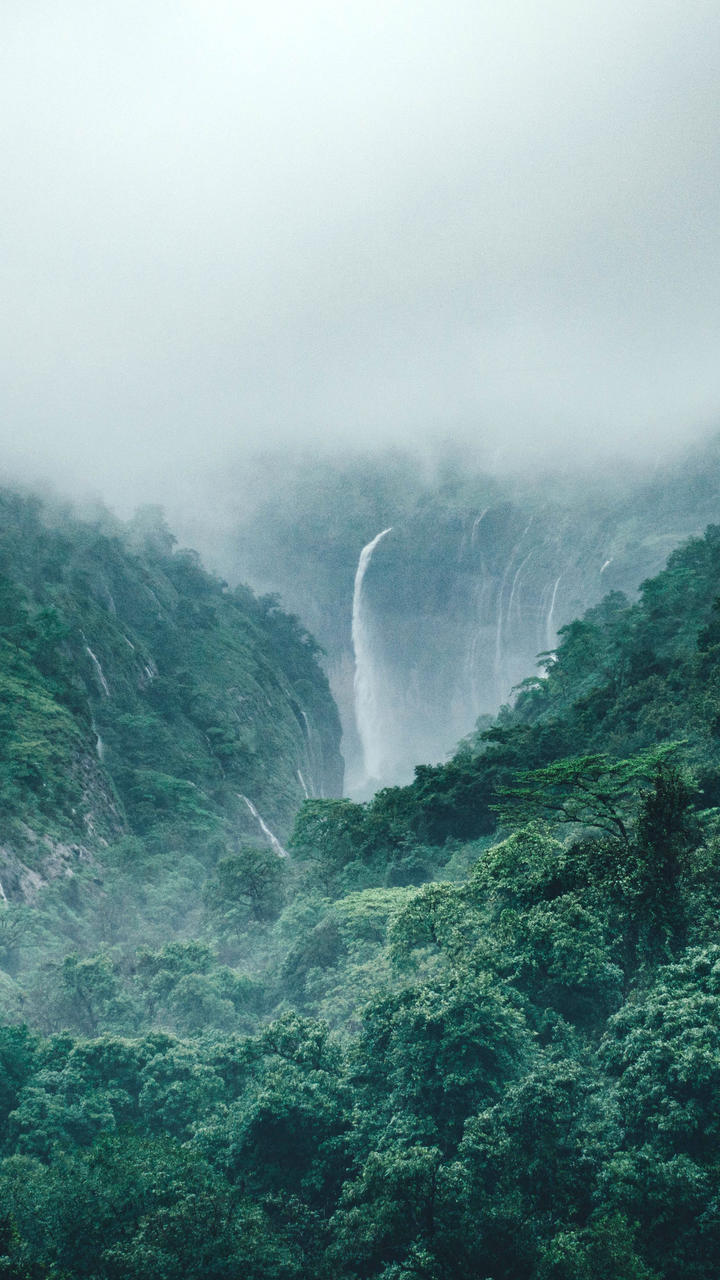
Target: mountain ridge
135, 685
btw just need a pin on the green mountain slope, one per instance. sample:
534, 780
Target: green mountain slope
138, 696
624, 678
469, 1029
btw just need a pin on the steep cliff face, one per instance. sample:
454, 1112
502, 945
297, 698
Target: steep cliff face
472, 584
461, 606
138, 695
632, 688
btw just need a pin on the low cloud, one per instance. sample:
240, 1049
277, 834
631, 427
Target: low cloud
229, 229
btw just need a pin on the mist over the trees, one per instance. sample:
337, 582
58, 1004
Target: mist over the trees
360, 875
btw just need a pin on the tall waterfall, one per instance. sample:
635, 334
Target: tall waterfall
366, 692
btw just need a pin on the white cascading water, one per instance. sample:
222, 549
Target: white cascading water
471, 661
99, 744
269, 835
497, 666
515, 584
501, 691
98, 671
303, 784
3, 895
476, 525
550, 633
311, 759
365, 685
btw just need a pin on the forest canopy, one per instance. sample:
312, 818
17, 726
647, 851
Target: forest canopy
468, 1028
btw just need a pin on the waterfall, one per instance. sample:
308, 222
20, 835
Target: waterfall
269, 835
312, 761
516, 580
98, 671
366, 696
99, 744
550, 633
499, 631
499, 681
607, 562
3, 895
476, 525
303, 784
480, 592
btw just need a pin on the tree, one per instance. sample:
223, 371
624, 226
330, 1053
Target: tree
387, 1213
439, 1050
17, 1053
90, 994
249, 885
590, 791
330, 834
666, 831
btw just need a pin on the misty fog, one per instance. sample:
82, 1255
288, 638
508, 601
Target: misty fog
228, 229
359, 639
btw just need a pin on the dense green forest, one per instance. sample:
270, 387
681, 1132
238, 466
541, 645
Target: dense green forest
469, 1030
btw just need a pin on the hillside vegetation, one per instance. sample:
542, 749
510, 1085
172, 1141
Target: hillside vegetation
467, 1031
141, 702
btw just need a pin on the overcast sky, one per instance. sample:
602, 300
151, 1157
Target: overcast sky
226, 225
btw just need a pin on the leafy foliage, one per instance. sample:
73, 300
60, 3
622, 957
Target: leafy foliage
423, 1047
